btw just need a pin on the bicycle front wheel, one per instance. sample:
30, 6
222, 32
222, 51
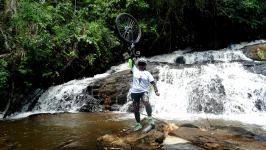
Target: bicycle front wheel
128, 28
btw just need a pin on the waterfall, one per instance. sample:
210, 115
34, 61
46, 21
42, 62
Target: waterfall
211, 83
214, 84
222, 89
67, 97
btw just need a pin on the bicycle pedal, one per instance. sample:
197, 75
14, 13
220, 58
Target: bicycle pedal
137, 53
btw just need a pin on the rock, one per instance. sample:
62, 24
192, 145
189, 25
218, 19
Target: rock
180, 60
185, 137
255, 52
169, 127
256, 67
140, 139
4, 145
220, 137
91, 105
115, 107
174, 143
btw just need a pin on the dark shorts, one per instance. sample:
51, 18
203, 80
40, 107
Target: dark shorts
137, 97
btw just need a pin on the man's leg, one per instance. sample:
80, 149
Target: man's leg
136, 99
145, 98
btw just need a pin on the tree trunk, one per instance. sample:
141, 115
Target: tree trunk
6, 112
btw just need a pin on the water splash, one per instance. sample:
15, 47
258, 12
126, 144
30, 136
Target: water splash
218, 87
224, 89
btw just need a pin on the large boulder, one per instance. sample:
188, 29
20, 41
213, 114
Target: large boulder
255, 52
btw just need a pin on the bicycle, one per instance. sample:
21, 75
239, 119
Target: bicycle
129, 31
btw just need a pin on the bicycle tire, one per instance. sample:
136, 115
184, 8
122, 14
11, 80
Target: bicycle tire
128, 28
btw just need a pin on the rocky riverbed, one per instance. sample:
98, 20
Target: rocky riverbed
170, 136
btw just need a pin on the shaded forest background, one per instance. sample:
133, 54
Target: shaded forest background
49, 42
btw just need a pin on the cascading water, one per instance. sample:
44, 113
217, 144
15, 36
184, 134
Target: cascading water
221, 89
68, 97
213, 84
209, 83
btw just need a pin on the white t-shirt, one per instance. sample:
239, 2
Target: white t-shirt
141, 80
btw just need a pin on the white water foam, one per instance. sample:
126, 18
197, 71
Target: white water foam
179, 88
237, 91
232, 53
61, 98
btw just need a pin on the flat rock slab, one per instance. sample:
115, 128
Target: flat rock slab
181, 146
185, 137
173, 143
220, 137
170, 140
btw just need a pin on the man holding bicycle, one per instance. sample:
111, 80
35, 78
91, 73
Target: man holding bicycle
140, 89
129, 30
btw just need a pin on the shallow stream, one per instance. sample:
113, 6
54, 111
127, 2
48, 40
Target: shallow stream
81, 130
60, 131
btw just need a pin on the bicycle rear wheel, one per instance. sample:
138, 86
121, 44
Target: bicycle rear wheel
128, 28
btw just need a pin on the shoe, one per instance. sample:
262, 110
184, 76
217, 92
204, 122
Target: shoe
151, 121
137, 127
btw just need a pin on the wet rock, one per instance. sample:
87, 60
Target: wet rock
255, 52
4, 145
242, 133
256, 67
91, 104
140, 139
115, 107
180, 60
174, 143
68, 145
188, 125
17, 104
260, 105
220, 137
186, 137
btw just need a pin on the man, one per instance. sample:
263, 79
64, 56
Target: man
140, 89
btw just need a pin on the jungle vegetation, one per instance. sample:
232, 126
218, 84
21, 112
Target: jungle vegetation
49, 42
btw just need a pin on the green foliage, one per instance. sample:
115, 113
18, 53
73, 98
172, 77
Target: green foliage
49, 38
244, 12
262, 54
46, 42
140, 5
